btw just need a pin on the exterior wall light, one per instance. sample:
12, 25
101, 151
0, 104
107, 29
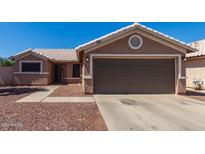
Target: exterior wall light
87, 59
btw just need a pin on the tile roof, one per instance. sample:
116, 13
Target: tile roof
133, 27
200, 45
57, 55
69, 55
61, 55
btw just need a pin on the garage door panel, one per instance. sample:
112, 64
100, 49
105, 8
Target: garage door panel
112, 76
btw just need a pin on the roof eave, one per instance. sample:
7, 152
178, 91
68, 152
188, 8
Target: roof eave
107, 37
64, 61
131, 28
192, 50
20, 54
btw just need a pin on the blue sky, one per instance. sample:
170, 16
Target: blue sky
16, 37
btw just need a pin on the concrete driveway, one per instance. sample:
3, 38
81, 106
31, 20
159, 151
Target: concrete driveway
151, 112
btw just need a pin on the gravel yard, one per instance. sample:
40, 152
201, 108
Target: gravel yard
45, 116
68, 90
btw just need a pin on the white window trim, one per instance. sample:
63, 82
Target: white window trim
30, 61
131, 46
176, 56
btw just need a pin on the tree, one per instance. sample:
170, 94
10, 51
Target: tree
6, 62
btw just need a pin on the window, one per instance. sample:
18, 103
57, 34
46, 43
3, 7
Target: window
76, 70
135, 42
30, 66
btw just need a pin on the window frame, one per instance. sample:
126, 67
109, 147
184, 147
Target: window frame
130, 44
73, 69
30, 61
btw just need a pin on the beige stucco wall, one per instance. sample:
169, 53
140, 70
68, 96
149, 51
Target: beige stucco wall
195, 69
34, 79
44, 79
67, 73
6, 75
49, 69
67, 70
31, 79
121, 47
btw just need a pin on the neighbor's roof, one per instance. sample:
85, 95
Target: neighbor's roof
130, 28
58, 55
200, 45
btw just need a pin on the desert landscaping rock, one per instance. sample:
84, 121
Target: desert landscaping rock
70, 90
46, 116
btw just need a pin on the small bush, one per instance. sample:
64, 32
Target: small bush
6, 62
198, 84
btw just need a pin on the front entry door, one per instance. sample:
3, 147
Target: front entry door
57, 73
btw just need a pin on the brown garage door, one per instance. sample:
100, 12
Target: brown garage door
134, 76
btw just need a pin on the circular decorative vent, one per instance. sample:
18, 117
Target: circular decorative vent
135, 42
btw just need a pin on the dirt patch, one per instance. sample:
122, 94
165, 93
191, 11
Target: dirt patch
68, 90
7, 91
128, 102
196, 95
47, 116
131, 102
12, 94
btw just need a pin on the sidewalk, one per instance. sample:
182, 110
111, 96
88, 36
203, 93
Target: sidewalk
69, 99
40, 95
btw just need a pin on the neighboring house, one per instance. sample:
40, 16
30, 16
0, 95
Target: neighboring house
195, 64
134, 59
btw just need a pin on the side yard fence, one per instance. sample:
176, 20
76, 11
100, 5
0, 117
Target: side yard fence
6, 75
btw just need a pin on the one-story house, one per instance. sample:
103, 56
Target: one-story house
195, 63
134, 59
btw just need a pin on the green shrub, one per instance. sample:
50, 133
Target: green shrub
6, 62
198, 84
